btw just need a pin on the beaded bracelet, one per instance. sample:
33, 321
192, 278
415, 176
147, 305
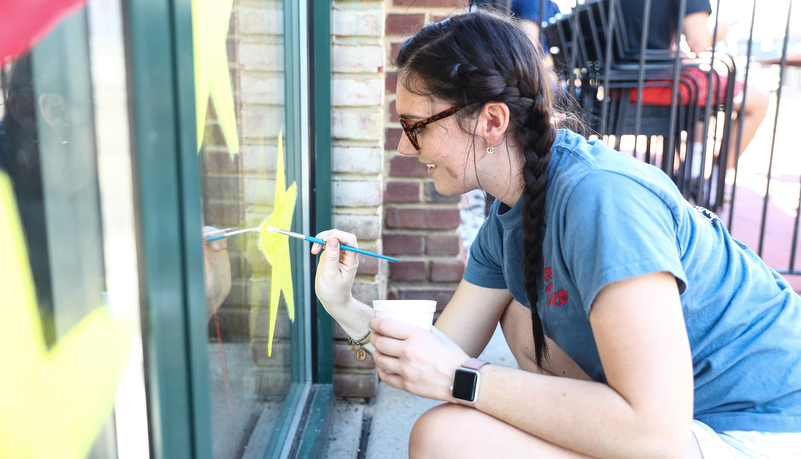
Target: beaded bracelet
357, 345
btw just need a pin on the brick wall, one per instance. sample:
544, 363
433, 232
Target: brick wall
386, 199
358, 60
420, 225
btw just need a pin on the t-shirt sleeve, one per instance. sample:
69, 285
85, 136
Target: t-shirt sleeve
485, 265
697, 6
613, 229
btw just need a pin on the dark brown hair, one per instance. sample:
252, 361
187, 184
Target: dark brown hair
481, 57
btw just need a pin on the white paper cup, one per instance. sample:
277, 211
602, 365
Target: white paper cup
415, 312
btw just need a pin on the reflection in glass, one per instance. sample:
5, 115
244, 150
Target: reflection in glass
52, 161
47, 149
248, 384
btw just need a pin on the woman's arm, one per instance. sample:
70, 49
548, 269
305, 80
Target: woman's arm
333, 284
469, 318
644, 411
646, 408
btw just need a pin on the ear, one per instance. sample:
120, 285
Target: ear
54, 112
493, 122
23, 111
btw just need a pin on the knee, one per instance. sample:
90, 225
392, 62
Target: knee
757, 103
436, 432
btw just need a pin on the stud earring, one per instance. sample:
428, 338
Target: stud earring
490, 150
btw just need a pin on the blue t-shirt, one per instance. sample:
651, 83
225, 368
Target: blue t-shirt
530, 9
609, 217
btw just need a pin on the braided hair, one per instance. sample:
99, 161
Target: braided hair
479, 57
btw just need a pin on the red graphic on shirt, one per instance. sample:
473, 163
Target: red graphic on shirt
555, 298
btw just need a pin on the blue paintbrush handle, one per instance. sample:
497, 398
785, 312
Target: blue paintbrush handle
352, 249
216, 237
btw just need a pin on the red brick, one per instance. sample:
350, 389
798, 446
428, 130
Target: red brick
224, 187
404, 24
356, 384
422, 218
402, 192
438, 18
392, 138
393, 112
442, 295
394, 49
368, 265
218, 162
406, 166
234, 323
345, 357
390, 82
442, 3
408, 271
443, 244
339, 333
432, 195
224, 214
447, 270
403, 244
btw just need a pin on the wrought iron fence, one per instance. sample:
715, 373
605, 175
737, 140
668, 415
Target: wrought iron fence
662, 108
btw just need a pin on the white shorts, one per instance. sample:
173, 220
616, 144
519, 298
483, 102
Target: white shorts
741, 444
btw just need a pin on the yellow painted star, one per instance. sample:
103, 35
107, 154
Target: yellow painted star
53, 402
210, 29
275, 248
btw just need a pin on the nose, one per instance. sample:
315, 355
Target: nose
405, 146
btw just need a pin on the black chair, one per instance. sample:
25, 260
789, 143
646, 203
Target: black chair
616, 87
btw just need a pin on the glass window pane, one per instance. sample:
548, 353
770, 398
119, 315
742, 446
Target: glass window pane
71, 339
249, 175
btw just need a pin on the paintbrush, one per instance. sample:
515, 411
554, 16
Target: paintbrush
271, 229
216, 236
322, 242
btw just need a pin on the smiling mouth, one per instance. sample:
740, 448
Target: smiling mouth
431, 166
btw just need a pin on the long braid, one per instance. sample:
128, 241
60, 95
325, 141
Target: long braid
535, 175
476, 58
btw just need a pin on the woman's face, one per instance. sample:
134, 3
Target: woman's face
444, 147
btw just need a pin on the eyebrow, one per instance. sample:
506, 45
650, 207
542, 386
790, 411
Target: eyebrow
411, 117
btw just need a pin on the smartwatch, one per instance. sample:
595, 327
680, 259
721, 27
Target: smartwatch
466, 380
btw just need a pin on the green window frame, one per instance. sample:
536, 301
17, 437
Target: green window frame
162, 100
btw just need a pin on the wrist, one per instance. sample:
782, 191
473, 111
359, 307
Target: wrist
467, 382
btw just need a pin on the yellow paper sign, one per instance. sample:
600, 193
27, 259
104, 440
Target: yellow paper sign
210, 29
52, 402
275, 248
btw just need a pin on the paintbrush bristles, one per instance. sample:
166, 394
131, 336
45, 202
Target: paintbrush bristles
286, 233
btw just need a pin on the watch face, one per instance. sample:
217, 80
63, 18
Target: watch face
464, 384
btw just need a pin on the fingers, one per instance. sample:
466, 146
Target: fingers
334, 239
393, 328
219, 244
341, 236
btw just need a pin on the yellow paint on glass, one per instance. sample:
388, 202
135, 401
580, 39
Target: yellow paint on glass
52, 402
275, 248
210, 29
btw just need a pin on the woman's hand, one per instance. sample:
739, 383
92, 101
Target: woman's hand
336, 271
218, 271
415, 360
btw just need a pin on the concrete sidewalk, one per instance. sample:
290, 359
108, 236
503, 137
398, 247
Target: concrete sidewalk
380, 429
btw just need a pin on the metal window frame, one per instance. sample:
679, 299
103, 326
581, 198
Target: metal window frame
159, 46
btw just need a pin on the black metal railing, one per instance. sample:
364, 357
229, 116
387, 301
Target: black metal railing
611, 83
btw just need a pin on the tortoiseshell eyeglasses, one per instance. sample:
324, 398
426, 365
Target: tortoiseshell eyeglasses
411, 130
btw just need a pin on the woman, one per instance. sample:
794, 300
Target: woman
654, 332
